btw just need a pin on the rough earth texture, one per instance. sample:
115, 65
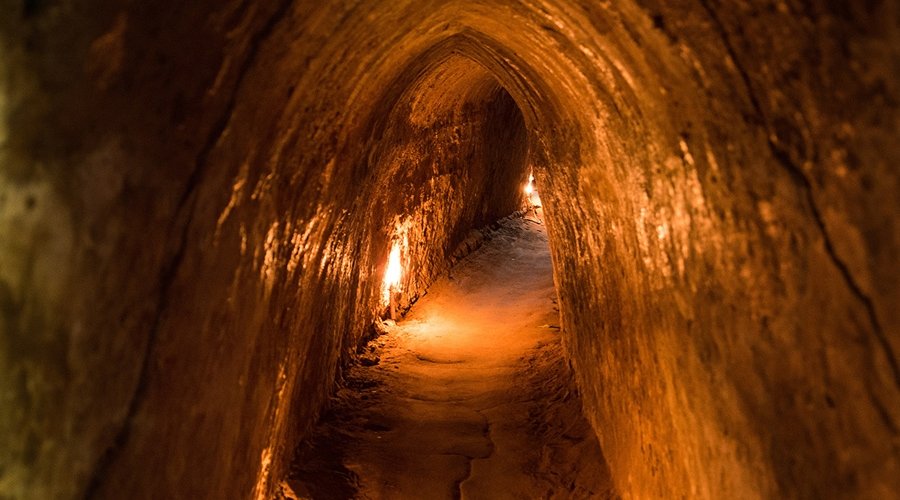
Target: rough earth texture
197, 201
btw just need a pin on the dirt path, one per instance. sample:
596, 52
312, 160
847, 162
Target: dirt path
470, 397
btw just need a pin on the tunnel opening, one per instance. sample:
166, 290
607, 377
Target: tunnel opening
469, 388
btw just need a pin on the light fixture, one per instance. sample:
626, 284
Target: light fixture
390, 287
532, 199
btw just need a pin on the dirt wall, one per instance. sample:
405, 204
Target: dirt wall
197, 202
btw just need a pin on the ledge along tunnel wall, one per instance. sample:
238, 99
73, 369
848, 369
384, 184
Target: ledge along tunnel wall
197, 203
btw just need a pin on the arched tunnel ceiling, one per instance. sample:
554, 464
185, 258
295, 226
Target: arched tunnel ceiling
197, 202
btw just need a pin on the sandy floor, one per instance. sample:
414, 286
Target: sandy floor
470, 396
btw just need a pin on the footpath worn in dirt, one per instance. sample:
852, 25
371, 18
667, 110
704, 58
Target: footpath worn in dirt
470, 396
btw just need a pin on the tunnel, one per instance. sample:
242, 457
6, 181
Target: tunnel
199, 203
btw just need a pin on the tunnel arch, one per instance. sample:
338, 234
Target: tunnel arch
563, 139
721, 190
499, 66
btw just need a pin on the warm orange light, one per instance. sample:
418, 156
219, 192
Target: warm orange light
531, 195
391, 283
394, 269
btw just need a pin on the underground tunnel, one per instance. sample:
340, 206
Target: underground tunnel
200, 204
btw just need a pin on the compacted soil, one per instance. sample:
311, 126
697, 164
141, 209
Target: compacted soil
468, 396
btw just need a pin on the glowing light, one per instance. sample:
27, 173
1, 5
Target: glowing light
392, 274
529, 189
391, 289
394, 269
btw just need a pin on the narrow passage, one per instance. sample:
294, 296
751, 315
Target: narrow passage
467, 397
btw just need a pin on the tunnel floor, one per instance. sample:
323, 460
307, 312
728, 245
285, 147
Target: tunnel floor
467, 397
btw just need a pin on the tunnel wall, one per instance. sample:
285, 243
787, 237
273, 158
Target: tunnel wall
195, 216
715, 266
196, 222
